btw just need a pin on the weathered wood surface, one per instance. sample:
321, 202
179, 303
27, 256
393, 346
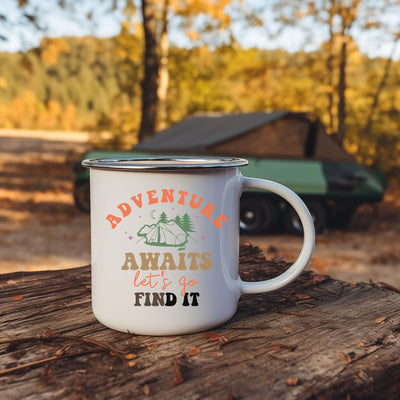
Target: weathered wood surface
316, 339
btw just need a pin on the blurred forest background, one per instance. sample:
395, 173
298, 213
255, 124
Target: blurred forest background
99, 84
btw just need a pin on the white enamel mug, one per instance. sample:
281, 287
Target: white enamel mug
165, 242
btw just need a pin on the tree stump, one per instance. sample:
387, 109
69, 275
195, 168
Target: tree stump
318, 338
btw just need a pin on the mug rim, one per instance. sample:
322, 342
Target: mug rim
163, 163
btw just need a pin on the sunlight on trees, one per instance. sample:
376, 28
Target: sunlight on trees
96, 84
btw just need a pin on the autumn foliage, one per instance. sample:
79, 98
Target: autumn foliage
88, 83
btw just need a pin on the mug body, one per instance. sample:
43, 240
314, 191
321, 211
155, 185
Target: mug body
164, 243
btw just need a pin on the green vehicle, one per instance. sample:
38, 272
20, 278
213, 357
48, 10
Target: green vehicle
289, 148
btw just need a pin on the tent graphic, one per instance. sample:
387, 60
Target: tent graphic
173, 232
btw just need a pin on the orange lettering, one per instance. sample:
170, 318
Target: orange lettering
207, 210
166, 282
138, 200
152, 197
125, 209
184, 284
218, 222
193, 203
113, 220
182, 198
167, 195
148, 280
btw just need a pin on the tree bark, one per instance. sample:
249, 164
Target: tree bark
348, 15
163, 75
329, 67
342, 92
381, 86
317, 338
150, 79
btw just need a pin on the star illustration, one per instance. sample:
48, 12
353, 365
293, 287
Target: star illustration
130, 237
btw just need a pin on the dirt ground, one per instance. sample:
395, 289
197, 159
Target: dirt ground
40, 228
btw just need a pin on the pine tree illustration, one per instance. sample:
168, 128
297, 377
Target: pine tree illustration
187, 224
163, 218
178, 221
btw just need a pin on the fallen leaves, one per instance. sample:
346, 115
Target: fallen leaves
146, 390
18, 297
320, 278
194, 351
380, 320
287, 329
292, 381
130, 359
345, 357
212, 335
279, 346
302, 296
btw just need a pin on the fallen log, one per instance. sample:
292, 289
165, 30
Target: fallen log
318, 338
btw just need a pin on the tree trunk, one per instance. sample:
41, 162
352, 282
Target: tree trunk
150, 79
342, 92
163, 76
381, 86
349, 13
329, 67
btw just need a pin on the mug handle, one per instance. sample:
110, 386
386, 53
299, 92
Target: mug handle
308, 241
